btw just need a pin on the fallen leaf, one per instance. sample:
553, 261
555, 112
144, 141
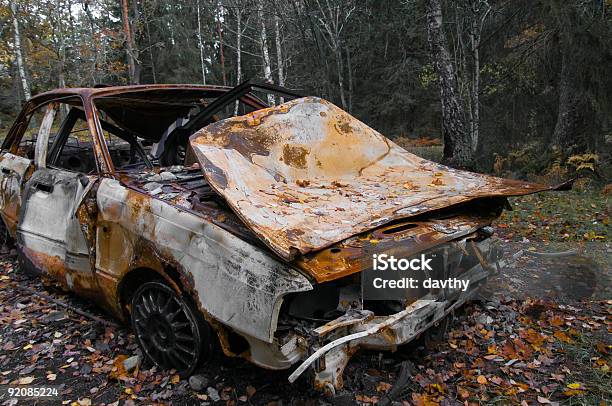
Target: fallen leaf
118, 371
573, 392
561, 336
463, 394
26, 380
603, 348
366, 399
383, 387
497, 380
482, 380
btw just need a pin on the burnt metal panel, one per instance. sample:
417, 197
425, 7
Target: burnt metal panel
305, 175
231, 280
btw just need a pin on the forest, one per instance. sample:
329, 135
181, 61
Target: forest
511, 87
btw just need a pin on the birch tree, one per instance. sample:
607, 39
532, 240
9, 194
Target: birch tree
471, 16
219, 12
457, 143
201, 44
279, 54
60, 49
18, 53
238, 52
265, 53
480, 10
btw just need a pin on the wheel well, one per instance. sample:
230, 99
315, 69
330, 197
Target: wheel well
135, 278
131, 282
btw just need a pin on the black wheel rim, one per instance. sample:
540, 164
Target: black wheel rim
166, 328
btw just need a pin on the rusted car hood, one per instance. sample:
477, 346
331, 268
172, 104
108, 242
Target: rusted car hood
306, 174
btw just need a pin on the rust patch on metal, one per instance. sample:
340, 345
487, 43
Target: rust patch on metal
295, 155
53, 266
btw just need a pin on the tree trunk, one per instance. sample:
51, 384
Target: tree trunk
323, 60
267, 70
279, 54
201, 45
18, 54
475, 126
94, 45
153, 73
61, 55
457, 143
129, 44
135, 51
74, 39
350, 79
569, 114
238, 53
220, 33
340, 68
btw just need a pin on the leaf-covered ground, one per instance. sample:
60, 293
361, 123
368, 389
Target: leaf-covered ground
540, 334
578, 215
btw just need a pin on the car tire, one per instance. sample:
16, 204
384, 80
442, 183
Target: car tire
169, 330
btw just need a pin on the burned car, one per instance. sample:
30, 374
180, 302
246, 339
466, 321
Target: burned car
203, 216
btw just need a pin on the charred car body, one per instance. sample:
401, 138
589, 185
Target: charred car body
204, 216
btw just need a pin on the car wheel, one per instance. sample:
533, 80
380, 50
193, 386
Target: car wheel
168, 329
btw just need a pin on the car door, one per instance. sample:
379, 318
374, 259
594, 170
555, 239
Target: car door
15, 165
50, 233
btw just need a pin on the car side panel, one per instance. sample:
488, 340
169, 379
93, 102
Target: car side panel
231, 280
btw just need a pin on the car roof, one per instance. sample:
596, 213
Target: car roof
85, 92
